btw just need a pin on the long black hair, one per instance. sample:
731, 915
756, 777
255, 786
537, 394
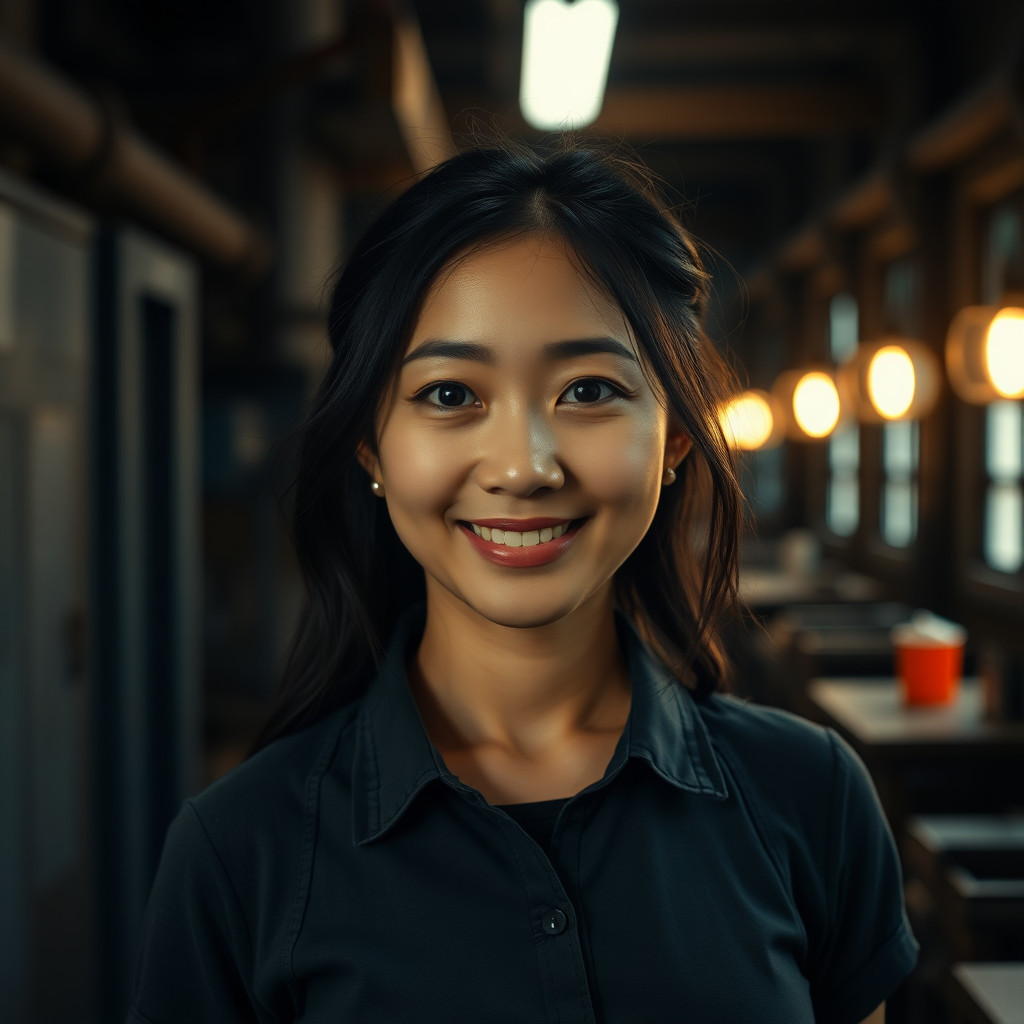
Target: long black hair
680, 582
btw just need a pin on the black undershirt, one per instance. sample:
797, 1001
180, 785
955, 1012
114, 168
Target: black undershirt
537, 820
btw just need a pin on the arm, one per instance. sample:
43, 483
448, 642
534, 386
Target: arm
195, 960
877, 1017
867, 948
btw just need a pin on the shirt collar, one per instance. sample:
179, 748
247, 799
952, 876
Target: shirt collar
395, 760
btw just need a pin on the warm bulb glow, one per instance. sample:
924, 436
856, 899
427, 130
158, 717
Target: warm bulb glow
747, 421
891, 381
816, 404
566, 52
1004, 352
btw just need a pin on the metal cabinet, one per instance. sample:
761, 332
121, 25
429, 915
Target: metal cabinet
146, 555
46, 803
99, 595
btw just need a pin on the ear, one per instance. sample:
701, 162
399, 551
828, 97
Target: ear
677, 447
369, 461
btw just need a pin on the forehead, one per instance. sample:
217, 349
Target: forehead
522, 291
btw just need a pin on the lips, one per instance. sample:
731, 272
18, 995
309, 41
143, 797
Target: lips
521, 543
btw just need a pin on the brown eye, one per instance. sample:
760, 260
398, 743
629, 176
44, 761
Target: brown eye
587, 391
450, 395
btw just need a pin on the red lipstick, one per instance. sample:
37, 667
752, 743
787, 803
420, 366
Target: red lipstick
522, 557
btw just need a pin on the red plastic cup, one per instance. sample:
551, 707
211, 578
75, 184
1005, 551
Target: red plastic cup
929, 675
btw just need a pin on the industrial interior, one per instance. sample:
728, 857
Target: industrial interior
178, 183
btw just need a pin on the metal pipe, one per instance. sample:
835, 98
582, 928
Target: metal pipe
71, 130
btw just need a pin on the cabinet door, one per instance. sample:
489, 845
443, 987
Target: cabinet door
147, 594
45, 756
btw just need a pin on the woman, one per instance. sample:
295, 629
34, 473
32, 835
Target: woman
532, 805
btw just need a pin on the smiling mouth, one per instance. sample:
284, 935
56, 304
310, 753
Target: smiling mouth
536, 537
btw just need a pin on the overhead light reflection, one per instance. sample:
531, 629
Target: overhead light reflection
566, 52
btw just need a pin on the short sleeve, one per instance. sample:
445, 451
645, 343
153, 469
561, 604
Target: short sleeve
868, 947
196, 951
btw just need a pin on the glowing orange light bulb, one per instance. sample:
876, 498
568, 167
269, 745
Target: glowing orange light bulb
892, 381
816, 404
747, 421
1004, 352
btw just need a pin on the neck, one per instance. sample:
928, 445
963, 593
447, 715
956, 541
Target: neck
480, 684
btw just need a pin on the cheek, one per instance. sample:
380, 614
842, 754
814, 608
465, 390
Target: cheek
422, 473
621, 467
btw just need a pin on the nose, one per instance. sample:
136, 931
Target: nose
520, 455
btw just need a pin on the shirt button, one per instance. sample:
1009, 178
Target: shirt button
554, 922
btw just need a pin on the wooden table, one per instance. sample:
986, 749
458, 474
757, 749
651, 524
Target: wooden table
763, 589
988, 993
926, 759
972, 867
870, 713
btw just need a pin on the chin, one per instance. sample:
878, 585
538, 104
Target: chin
524, 611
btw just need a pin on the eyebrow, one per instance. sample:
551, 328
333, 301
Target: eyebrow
588, 347
441, 349
476, 353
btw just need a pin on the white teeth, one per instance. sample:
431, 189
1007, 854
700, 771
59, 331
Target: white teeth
516, 539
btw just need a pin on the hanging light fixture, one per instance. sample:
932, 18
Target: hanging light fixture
985, 353
566, 51
752, 421
890, 379
811, 402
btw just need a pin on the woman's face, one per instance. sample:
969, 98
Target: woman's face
522, 450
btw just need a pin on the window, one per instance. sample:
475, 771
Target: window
1004, 494
1003, 524
1002, 253
900, 453
901, 440
842, 503
902, 290
843, 328
765, 477
842, 498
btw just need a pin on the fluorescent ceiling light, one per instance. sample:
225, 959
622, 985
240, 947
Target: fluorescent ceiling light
566, 50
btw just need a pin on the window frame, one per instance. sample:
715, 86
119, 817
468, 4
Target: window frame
980, 186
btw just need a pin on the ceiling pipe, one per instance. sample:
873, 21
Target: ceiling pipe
74, 132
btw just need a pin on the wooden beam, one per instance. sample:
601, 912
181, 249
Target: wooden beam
695, 112
708, 47
802, 251
868, 201
416, 101
965, 128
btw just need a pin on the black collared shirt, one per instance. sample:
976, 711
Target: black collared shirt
732, 865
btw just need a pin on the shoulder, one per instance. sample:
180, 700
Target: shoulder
257, 811
768, 741
789, 771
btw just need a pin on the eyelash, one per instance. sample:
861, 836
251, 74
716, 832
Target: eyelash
422, 396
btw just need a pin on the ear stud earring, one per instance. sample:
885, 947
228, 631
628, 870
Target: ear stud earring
377, 489
669, 476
